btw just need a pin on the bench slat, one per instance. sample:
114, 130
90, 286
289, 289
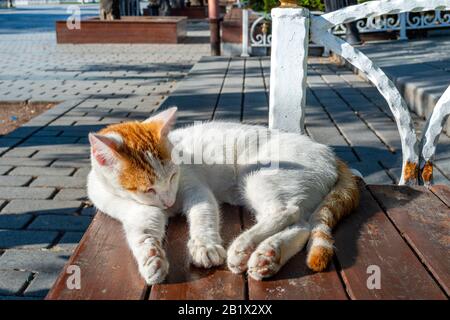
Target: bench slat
107, 267
443, 192
368, 238
295, 281
423, 220
188, 282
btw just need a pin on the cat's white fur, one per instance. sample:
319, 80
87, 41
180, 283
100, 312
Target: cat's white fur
282, 182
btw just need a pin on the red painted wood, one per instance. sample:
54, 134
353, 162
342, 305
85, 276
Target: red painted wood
443, 193
188, 282
296, 282
367, 238
424, 221
108, 269
125, 30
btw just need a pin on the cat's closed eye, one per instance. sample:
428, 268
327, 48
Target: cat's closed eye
173, 177
150, 191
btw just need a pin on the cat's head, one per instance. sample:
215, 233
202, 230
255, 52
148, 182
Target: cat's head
134, 158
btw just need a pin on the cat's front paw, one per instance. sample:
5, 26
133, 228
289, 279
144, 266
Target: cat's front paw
238, 254
206, 255
265, 261
154, 265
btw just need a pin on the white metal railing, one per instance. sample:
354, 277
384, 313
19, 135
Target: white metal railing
292, 28
400, 22
258, 34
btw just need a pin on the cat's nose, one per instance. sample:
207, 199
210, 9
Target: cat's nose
168, 203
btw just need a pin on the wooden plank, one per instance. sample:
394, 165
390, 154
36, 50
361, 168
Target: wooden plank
197, 95
443, 193
107, 267
424, 221
188, 282
367, 238
256, 106
296, 282
230, 101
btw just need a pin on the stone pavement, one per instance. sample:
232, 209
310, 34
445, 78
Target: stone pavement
419, 68
43, 164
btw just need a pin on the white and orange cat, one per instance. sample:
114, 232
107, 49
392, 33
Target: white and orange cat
143, 172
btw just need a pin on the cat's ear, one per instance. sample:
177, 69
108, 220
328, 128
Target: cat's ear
104, 148
167, 117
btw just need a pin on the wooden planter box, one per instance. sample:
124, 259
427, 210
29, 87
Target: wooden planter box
125, 30
189, 12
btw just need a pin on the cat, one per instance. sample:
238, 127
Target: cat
144, 172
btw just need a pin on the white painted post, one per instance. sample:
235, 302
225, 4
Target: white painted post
402, 17
290, 39
244, 33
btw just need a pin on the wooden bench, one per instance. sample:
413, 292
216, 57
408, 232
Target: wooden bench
402, 230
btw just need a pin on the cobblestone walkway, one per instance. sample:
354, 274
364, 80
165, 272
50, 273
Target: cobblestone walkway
43, 164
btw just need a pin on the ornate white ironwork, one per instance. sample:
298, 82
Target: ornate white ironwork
259, 32
319, 27
393, 22
260, 35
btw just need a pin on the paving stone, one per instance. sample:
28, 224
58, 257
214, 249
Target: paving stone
37, 207
89, 211
5, 169
69, 241
11, 181
53, 222
60, 182
72, 163
41, 284
37, 171
26, 192
20, 152
13, 281
26, 239
14, 221
4, 298
71, 194
24, 162
82, 172
34, 260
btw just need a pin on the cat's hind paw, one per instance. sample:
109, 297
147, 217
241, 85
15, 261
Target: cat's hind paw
265, 261
154, 267
238, 254
206, 255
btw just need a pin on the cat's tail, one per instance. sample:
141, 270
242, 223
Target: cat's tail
342, 199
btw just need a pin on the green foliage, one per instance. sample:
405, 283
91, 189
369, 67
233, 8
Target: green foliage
267, 5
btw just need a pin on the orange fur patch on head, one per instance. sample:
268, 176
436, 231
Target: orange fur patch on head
138, 139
